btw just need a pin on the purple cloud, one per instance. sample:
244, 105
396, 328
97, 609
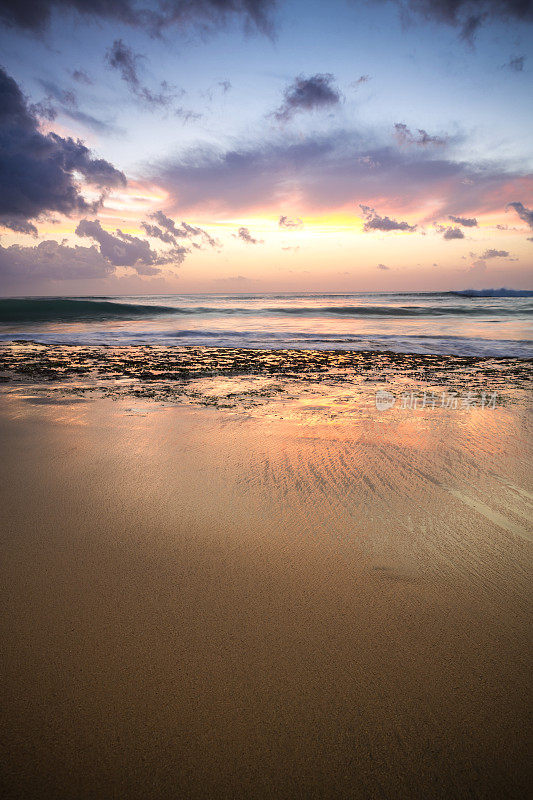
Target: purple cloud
464, 221
124, 250
50, 260
469, 15
39, 172
308, 94
290, 223
246, 236
422, 137
154, 17
376, 223
524, 213
453, 233
332, 171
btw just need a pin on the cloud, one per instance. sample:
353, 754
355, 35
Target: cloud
128, 63
169, 233
156, 233
376, 223
465, 221
50, 260
495, 254
524, 213
68, 104
329, 171
515, 64
225, 86
469, 15
81, 76
423, 139
382, 266
40, 172
453, 233
246, 236
153, 17
19, 225
186, 114
292, 223
308, 94
124, 250
479, 266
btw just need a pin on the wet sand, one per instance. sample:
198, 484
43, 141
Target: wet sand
292, 595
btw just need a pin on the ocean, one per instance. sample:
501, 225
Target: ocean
495, 322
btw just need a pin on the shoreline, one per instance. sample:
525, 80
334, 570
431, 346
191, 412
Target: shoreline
282, 381
180, 361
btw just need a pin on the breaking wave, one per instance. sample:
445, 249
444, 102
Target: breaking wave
64, 309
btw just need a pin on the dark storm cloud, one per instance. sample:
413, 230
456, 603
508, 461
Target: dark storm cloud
44, 109
376, 223
128, 64
524, 213
464, 221
515, 64
38, 172
469, 15
453, 233
335, 170
124, 250
167, 230
152, 16
19, 225
308, 94
35, 16
422, 137
292, 223
246, 236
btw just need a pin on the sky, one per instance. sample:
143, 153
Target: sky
253, 145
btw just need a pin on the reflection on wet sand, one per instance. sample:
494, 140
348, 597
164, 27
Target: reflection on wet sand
294, 595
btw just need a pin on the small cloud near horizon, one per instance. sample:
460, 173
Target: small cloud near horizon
290, 223
376, 223
245, 235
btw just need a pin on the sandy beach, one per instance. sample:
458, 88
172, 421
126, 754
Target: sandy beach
266, 430
294, 595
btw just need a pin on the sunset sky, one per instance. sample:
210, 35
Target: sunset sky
249, 145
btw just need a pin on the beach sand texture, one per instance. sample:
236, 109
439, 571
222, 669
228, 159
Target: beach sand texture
205, 604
